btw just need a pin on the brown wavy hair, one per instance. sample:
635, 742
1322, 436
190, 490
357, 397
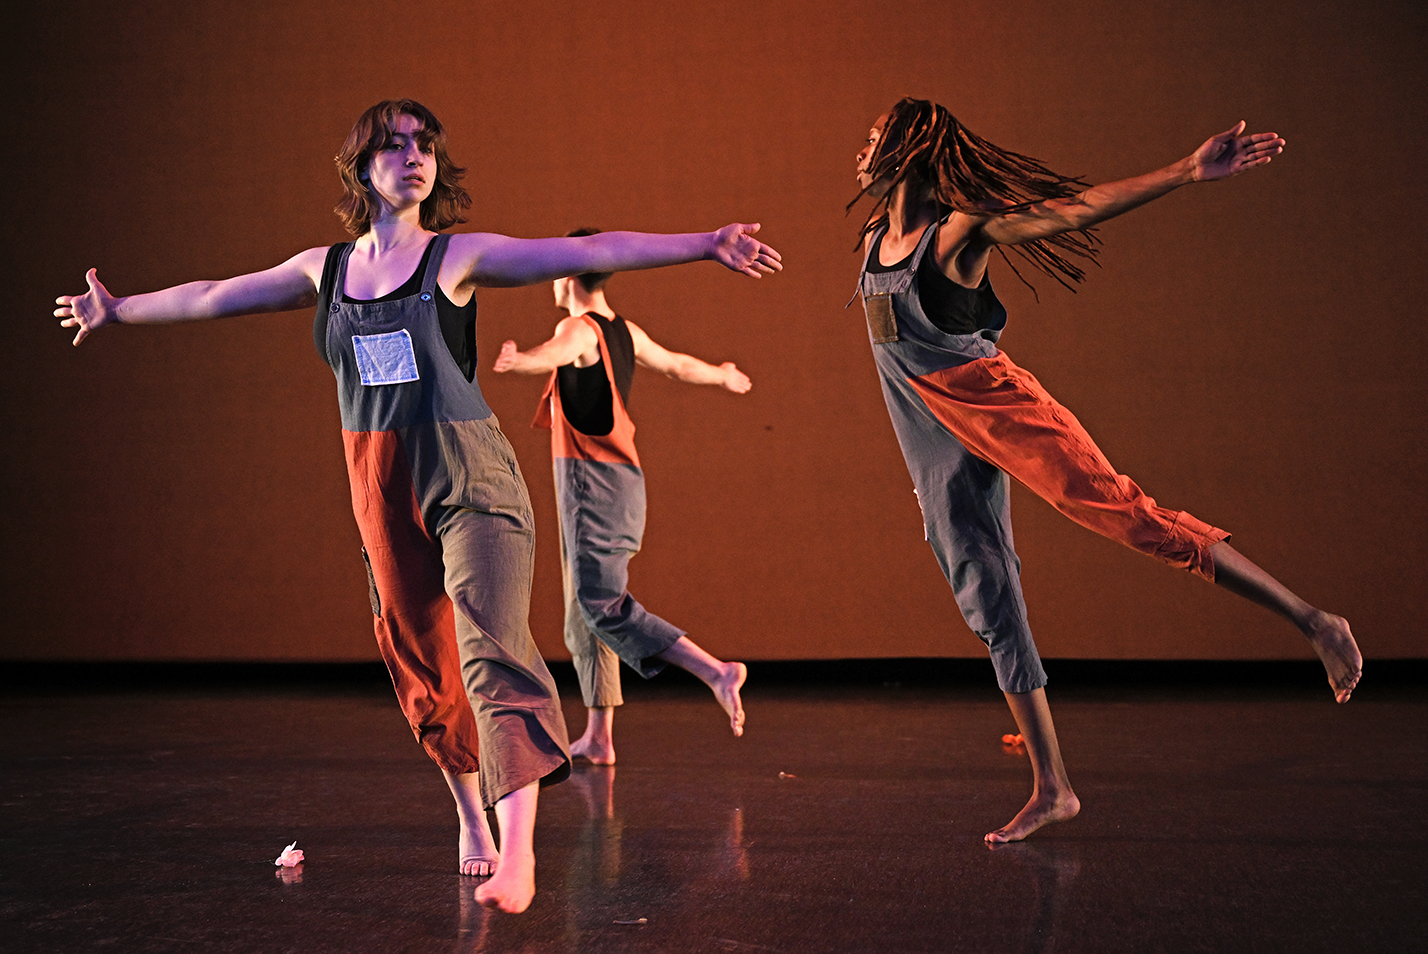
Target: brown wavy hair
373, 131
924, 144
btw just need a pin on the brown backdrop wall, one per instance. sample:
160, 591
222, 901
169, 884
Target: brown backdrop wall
1252, 351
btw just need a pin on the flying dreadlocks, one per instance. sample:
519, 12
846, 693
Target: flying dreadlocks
924, 143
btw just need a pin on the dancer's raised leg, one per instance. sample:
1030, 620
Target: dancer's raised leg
597, 745
513, 885
1051, 797
1327, 633
724, 678
477, 848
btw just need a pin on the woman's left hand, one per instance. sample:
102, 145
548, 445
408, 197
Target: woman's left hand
1231, 153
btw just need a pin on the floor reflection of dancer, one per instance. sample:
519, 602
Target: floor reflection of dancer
600, 492
443, 512
1054, 867
966, 416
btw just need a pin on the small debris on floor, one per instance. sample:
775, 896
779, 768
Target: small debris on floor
290, 858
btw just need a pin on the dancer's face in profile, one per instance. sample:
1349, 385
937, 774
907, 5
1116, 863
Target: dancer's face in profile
875, 135
403, 171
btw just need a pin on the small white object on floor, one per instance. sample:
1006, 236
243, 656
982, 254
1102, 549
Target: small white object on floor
290, 858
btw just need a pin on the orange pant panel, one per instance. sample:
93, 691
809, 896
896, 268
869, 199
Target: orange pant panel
415, 625
1003, 415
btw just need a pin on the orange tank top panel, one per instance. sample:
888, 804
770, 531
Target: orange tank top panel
616, 447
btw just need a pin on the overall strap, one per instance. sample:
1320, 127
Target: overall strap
874, 239
929, 236
331, 265
339, 286
433, 265
594, 323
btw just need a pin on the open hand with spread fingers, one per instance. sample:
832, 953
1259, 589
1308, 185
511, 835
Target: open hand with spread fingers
1231, 153
736, 248
88, 312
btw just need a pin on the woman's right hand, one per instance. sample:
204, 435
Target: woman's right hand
735, 247
88, 312
506, 360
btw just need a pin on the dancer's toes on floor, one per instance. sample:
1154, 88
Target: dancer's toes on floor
477, 848
593, 751
1332, 640
597, 745
1042, 809
479, 856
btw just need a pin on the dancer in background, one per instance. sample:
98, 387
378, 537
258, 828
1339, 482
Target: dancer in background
600, 495
966, 417
443, 511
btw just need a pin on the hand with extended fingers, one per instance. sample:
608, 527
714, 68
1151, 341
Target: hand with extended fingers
734, 379
736, 248
88, 312
1231, 153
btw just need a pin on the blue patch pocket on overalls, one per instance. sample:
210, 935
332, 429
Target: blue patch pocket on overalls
882, 323
385, 359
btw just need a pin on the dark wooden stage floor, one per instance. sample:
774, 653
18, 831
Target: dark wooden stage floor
1242, 811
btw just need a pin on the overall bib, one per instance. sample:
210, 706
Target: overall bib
965, 418
449, 539
600, 495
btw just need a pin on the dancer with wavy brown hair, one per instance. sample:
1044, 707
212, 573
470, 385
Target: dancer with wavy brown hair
443, 511
967, 418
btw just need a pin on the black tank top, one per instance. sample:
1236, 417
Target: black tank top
585, 392
458, 322
953, 308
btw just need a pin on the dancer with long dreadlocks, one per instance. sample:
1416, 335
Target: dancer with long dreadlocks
966, 417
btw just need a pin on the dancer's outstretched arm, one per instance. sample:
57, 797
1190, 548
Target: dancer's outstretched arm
499, 260
288, 286
1220, 157
482, 258
572, 338
683, 367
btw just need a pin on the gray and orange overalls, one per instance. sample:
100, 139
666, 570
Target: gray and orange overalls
600, 495
447, 533
966, 417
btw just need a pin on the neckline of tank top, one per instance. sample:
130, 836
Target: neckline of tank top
875, 266
406, 289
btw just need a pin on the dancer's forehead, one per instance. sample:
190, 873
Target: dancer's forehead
405, 126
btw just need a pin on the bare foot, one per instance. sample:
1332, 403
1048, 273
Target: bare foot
479, 856
726, 690
1331, 639
512, 887
1040, 810
724, 678
595, 750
